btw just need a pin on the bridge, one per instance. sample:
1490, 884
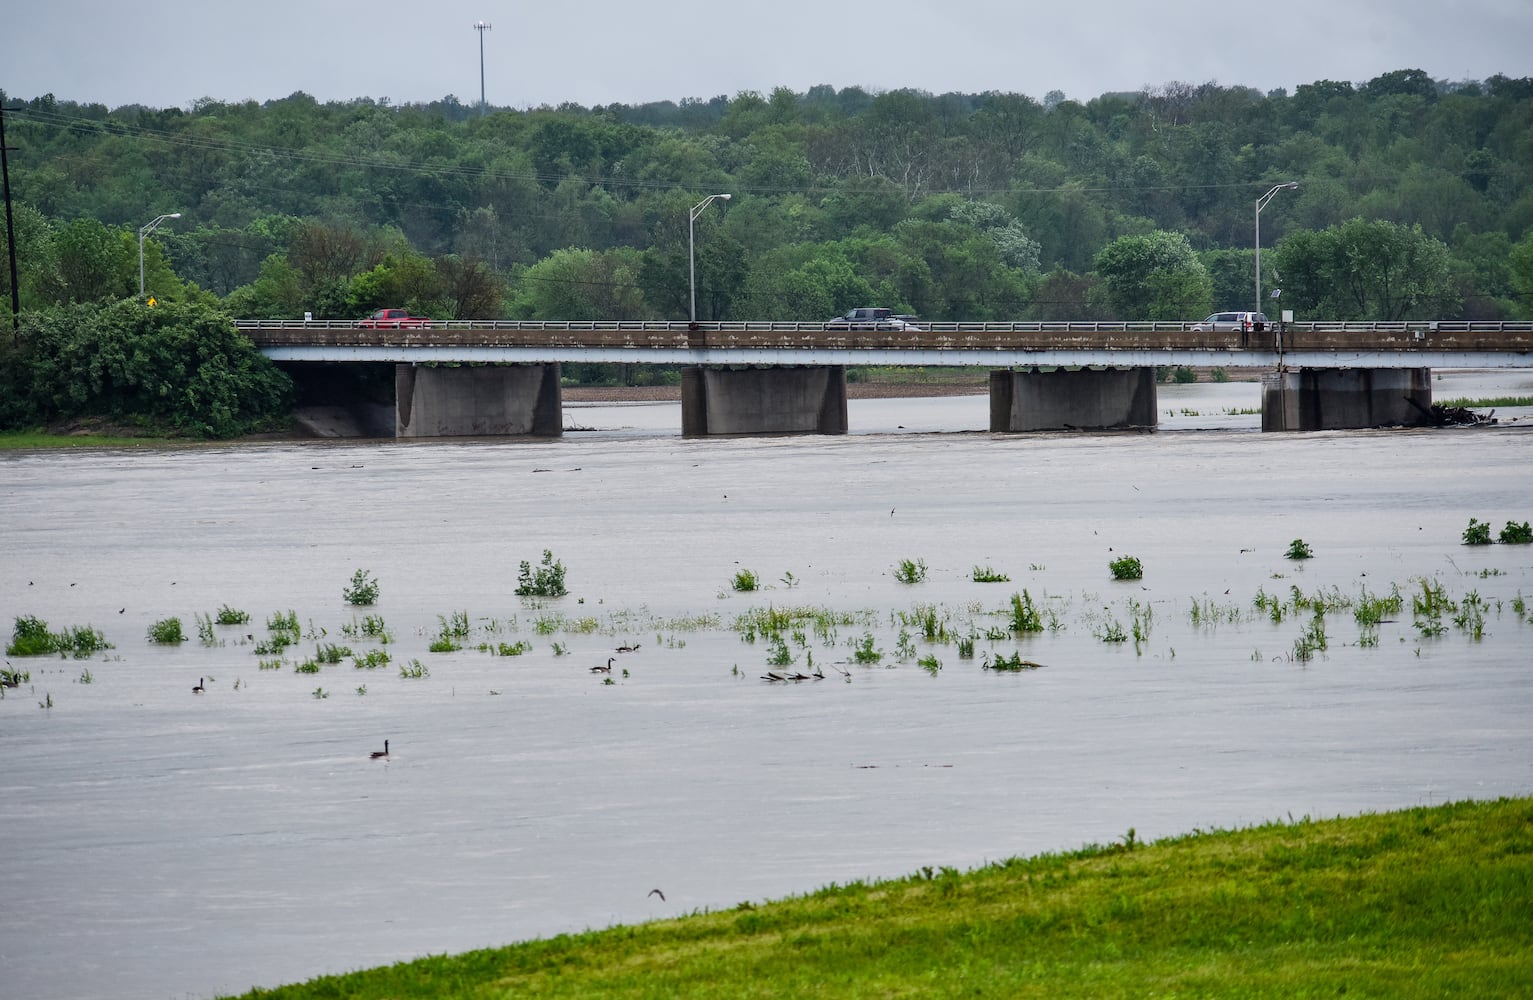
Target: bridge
784, 377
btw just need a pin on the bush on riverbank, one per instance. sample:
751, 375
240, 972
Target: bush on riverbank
178, 367
1424, 902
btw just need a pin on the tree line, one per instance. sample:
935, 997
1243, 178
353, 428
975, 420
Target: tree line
1415, 200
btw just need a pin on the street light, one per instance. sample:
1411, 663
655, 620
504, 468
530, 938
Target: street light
141, 234
1260, 203
692, 243
481, 27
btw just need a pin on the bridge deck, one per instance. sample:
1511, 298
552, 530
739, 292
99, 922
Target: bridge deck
999, 345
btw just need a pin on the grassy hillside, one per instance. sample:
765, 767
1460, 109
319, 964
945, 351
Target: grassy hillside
1425, 902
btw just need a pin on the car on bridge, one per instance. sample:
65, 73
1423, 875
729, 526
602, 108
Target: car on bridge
393, 319
1231, 321
871, 319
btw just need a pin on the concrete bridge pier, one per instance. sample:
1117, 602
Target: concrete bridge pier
1072, 399
1323, 399
491, 401
771, 400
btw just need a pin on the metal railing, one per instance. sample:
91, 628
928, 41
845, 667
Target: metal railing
764, 326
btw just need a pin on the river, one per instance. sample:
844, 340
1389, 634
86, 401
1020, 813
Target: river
162, 843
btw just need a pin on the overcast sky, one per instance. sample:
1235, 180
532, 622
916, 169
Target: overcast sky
169, 53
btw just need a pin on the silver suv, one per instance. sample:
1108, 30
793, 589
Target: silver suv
1228, 321
871, 319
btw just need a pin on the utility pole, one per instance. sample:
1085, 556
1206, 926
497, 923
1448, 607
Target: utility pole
10, 233
482, 27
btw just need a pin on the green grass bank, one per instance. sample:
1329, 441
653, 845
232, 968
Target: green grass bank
1427, 902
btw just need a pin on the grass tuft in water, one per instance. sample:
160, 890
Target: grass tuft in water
544, 580
166, 631
1126, 568
1024, 615
232, 616
370, 660
910, 570
363, 589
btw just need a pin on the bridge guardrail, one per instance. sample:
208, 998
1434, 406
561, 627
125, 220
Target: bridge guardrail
774, 326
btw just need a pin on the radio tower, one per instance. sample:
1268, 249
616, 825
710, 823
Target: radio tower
482, 27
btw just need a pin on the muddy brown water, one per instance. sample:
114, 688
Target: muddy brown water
161, 843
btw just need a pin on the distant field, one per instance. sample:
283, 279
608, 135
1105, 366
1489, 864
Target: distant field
1427, 902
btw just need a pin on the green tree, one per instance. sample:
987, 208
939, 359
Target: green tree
402, 279
37, 262
1363, 270
1233, 276
1521, 276
178, 365
277, 293
95, 262
579, 284
1156, 276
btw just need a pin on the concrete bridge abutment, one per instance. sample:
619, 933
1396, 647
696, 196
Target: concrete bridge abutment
1324, 399
769, 400
1072, 399
490, 401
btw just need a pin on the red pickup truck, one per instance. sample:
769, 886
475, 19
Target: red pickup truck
393, 319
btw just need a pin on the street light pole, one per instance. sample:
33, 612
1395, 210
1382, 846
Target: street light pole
692, 243
1261, 203
145, 232
482, 27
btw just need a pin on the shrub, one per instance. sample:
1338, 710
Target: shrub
371, 659
1014, 663
363, 590
1126, 568
1025, 617
1184, 375
166, 630
1219, 375
1298, 549
910, 571
329, 652
986, 574
232, 616
546, 580
745, 581
180, 366
31, 637
1517, 534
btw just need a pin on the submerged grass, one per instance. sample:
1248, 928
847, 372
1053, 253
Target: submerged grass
1421, 903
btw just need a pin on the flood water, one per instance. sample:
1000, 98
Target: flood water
166, 844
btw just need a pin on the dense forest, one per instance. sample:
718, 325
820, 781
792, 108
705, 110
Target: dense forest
984, 206
1414, 201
